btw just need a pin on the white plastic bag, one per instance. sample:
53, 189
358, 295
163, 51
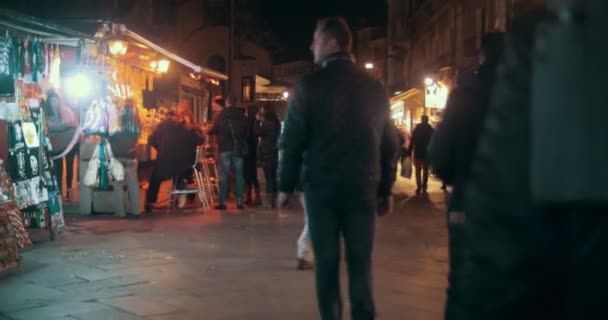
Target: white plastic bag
406, 168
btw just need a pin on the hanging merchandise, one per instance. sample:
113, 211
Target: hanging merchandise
91, 176
30, 135
116, 171
96, 117
129, 119
7, 84
54, 77
103, 166
114, 124
13, 235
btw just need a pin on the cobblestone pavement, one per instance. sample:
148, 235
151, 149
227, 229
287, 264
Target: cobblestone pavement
220, 266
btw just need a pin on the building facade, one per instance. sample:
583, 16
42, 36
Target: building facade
430, 43
371, 51
291, 72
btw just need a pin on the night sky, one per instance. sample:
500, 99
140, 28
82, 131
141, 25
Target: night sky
293, 21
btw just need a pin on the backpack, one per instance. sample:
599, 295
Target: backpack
569, 147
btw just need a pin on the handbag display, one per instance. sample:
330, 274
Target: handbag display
91, 177
115, 168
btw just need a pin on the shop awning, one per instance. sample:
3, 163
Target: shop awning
409, 94
50, 32
171, 55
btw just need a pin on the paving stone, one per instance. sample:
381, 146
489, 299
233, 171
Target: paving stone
107, 313
57, 310
221, 266
140, 306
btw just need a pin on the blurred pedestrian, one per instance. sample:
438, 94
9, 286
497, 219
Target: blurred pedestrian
525, 258
453, 146
268, 129
250, 166
421, 137
232, 130
339, 132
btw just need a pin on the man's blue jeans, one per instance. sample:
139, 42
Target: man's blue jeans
226, 159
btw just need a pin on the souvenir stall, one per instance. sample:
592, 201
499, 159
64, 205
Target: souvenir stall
124, 72
30, 60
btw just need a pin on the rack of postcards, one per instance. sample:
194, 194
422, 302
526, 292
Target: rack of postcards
30, 166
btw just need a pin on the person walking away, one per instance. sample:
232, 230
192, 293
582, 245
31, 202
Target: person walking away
453, 146
176, 144
62, 124
339, 133
268, 129
250, 167
124, 148
421, 137
232, 130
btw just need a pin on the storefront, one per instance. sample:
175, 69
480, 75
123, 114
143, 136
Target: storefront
407, 108
130, 69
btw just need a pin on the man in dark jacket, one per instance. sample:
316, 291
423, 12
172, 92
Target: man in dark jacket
268, 129
421, 137
453, 146
250, 167
232, 130
176, 145
338, 130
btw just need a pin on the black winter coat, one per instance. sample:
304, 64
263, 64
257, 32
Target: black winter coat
235, 117
176, 144
455, 141
421, 137
338, 130
268, 132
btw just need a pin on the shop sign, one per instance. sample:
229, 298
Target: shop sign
436, 96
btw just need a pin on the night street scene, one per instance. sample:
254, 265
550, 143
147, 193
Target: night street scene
300, 160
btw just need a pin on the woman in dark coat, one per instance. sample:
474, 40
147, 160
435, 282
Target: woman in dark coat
176, 143
268, 129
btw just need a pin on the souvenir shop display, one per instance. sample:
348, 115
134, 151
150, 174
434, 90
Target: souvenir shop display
28, 61
13, 236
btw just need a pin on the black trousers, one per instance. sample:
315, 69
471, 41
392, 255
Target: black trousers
457, 261
422, 172
270, 174
348, 213
250, 171
156, 180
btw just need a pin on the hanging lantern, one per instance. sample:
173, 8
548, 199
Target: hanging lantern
118, 47
163, 66
160, 66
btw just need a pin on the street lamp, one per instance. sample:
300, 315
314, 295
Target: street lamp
369, 66
286, 95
